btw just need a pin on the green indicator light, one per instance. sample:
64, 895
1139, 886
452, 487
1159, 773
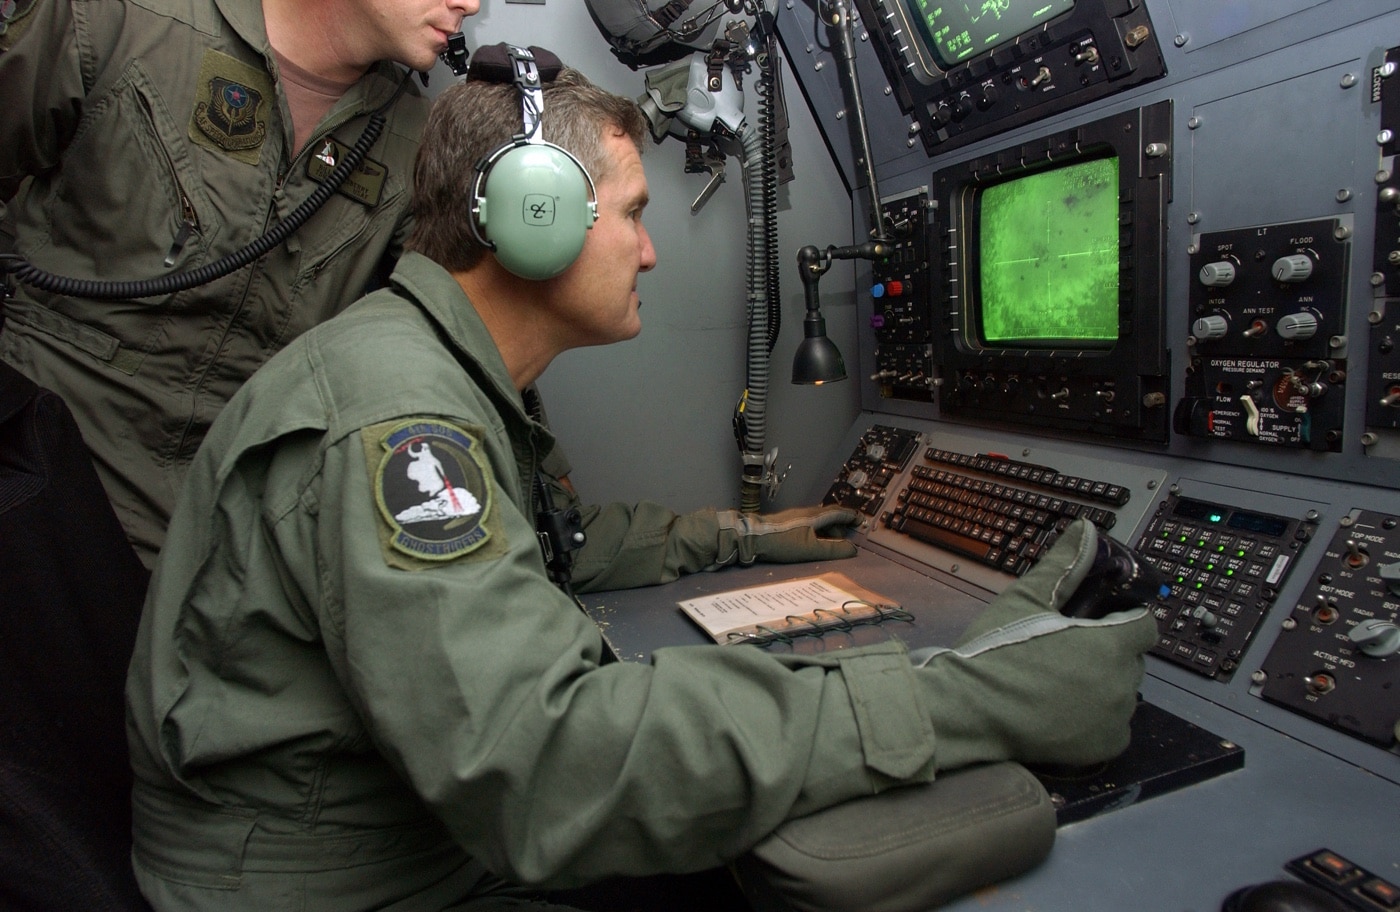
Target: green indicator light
1216, 517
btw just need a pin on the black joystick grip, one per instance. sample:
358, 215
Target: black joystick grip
1119, 579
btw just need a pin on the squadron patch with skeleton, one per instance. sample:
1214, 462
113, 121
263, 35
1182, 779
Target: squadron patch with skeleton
432, 490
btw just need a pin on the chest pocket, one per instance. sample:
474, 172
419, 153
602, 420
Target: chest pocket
121, 220
141, 214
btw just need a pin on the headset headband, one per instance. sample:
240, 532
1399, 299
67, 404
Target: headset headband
493, 64
527, 82
540, 201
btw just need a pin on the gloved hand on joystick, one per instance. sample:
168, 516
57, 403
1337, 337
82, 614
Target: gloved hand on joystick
1027, 683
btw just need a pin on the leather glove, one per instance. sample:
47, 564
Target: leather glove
1026, 683
787, 537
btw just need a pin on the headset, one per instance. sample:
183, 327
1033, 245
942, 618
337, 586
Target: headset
532, 201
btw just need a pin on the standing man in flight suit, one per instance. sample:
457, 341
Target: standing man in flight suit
355, 686
144, 137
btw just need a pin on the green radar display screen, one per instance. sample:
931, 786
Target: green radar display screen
958, 29
1047, 246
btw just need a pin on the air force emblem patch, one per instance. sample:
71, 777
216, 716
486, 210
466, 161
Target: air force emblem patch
232, 104
432, 488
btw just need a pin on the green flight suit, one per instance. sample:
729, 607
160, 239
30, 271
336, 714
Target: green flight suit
331, 708
150, 136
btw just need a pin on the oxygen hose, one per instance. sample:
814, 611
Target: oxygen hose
28, 274
763, 294
755, 406
767, 89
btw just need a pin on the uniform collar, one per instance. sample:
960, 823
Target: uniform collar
435, 290
373, 89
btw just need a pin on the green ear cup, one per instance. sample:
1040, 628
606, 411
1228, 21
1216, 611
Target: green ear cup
535, 207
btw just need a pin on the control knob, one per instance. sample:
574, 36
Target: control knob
1293, 268
1390, 574
1376, 637
1209, 328
1297, 326
1217, 275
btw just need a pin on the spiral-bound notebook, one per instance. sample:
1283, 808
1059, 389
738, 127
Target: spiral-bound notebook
779, 612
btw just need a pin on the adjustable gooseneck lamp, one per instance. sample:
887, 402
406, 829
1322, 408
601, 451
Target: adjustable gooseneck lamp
817, 359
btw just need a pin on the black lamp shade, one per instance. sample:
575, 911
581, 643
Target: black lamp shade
817, 359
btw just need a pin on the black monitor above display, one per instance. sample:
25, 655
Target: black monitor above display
966, 70
955, 30
1048, 302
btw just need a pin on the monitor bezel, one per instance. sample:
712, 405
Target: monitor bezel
1136, 369
954, 106
1144, 177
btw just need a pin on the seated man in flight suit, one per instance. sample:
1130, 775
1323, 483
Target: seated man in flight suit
356, 687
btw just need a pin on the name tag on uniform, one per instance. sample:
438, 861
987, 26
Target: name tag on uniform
364, 185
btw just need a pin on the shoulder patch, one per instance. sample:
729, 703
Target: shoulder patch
433, 487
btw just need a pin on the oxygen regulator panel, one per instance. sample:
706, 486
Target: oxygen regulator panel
1268, 335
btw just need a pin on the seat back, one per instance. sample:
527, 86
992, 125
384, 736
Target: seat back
71, 590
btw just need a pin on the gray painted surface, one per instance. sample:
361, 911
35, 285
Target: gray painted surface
650, 418
1285, 131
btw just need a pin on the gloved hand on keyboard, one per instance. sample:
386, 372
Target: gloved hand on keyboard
790, 536
1026, 683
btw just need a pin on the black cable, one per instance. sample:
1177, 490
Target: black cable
26, 273
560, 531
767, 87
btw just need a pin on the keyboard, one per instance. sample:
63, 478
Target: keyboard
995, 510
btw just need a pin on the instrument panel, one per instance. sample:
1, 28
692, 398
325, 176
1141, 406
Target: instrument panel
1254, 425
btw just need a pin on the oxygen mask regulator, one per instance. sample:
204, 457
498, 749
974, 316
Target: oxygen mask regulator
560, 533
